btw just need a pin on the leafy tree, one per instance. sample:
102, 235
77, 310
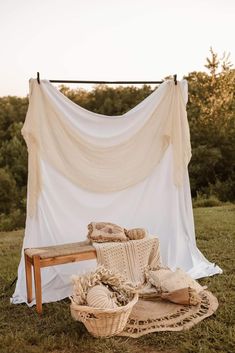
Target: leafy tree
7, 191
212, 124
108, 100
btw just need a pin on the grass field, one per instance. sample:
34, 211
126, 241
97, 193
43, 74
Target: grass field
23, 331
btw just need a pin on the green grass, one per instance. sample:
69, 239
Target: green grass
23, 331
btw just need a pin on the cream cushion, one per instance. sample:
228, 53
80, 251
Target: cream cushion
166, 280
185, 296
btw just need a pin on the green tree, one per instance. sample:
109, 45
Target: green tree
212, 124
108, 100
7, 191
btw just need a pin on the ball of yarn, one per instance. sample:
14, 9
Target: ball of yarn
136, 233
101, 297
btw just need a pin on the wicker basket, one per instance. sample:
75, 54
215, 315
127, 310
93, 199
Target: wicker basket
103, 322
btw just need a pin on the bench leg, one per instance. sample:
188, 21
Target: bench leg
37, 283
28, 276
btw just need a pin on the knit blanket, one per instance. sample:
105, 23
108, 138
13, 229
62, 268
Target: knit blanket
130, 258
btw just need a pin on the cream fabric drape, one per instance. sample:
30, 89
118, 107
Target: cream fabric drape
130, 170
101, 154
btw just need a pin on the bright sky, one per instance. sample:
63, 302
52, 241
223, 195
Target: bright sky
109, 39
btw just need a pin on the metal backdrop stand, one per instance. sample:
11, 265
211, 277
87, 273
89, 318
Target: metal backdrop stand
106, 82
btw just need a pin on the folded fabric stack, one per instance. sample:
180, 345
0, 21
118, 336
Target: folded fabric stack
101, 232
101, 288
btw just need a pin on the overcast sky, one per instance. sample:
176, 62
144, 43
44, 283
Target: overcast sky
109, 39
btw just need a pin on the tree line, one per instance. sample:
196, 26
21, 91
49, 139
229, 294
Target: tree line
211, 115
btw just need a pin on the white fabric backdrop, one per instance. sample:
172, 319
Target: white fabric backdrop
64, 209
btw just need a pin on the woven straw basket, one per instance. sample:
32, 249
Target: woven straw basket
103, 322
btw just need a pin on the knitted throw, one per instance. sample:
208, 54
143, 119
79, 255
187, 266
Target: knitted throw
130, 258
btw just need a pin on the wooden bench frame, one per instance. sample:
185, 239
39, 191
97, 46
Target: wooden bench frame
37, 263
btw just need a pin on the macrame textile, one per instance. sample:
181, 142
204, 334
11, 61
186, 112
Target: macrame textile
130, 258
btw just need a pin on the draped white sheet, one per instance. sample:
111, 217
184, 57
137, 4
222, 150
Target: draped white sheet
100, 153
64, 208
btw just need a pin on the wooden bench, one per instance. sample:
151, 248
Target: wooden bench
51, 256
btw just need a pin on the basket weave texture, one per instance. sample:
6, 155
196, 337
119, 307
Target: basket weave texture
103, 322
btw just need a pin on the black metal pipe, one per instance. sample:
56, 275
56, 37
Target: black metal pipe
175, 79
107, 82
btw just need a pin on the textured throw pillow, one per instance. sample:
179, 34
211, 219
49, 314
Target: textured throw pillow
166, 280
185, 296
136, 233
101, 232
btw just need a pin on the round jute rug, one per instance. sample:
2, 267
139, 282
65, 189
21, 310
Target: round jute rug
158, 315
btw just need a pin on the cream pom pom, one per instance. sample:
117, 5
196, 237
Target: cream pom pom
101, 297
136, 233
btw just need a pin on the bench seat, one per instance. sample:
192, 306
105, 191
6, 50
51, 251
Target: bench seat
40, 257
60, 250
